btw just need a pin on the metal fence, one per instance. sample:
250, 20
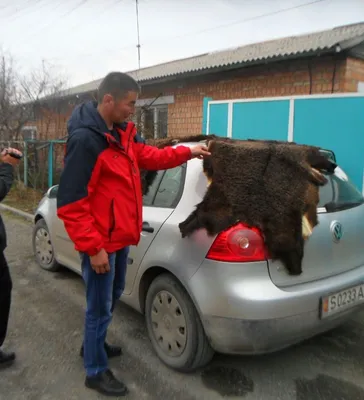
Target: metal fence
42, 162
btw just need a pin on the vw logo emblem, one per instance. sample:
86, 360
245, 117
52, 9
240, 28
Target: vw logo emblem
337, 231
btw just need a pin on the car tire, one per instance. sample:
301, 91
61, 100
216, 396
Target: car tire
43, 248
167, 306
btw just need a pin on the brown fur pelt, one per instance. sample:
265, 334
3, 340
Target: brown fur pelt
271, 185
264, 184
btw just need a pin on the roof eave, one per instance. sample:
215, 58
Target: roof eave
351, 43
238, 65
353, 47
356, 49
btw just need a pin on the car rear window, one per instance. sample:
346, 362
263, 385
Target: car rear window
339, 193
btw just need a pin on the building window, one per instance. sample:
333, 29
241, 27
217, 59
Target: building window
29, 132
152, 122
151, 116
162, 126
148, 123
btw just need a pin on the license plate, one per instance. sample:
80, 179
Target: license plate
341, 301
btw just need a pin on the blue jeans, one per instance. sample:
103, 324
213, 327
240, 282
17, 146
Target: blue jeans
102, 293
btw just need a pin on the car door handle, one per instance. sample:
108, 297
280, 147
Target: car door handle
147, 227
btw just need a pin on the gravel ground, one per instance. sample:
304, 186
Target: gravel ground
46, 332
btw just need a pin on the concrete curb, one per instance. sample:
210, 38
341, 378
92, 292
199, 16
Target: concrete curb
21, 213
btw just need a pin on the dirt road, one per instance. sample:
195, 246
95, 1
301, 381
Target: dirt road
46, 331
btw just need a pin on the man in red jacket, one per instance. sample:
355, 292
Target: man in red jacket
100, 202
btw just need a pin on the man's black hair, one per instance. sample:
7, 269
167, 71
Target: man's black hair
118, 85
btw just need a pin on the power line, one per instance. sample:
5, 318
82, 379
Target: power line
214, 28
15, 10
67, 13
227, 25
114, 3
76, 26
25, 10
80, 4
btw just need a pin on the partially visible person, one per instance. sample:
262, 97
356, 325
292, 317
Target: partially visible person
7, 164
100, 202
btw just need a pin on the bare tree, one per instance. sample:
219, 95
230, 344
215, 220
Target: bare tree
28, 100
22, 96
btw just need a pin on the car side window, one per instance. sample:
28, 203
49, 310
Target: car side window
170, 188
149, 197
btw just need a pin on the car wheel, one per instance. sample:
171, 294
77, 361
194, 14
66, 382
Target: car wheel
43, 248
174, 326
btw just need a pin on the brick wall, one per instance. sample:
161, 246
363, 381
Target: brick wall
310, 76
354, 74
51, 124
281, 79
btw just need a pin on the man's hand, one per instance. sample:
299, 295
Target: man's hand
8, 159
199, 151
100, 262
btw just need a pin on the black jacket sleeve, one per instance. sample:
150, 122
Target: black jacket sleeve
73, 205
6, 179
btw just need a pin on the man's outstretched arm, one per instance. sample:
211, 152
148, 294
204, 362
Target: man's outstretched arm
152, 158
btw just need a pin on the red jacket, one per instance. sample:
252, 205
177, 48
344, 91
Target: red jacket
99, 196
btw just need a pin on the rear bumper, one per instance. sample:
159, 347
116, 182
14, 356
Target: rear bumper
243, 312
234, 336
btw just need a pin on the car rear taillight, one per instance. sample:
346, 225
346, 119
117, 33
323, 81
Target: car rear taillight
238, 244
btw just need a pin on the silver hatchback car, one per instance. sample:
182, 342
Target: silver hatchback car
205, 294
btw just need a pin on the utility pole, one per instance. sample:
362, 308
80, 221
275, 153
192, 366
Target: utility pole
137, 19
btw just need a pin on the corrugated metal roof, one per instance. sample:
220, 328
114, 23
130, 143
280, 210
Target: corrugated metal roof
344, 36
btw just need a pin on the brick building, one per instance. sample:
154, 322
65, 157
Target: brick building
172, 96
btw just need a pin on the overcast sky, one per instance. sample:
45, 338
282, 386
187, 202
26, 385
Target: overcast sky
85, 39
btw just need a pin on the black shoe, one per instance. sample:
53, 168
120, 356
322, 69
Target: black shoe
107, 384
6, 359
111, 351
